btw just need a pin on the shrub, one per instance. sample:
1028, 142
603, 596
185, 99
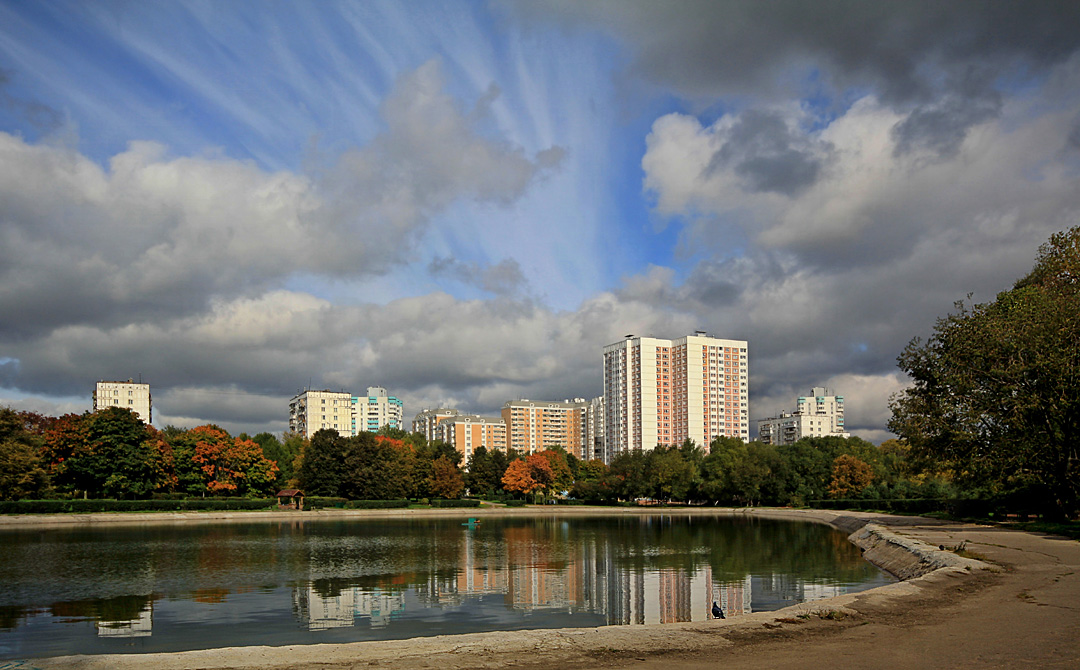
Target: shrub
77, 505
455, 503
376, 504
322, 502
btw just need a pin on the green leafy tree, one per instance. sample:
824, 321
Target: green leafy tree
105, 453
22, 474
321, 471
483, 476
995, 393
626, 476
671, 474
283, 454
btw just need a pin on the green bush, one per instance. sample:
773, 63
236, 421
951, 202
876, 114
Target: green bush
105, 505
376, 504
515, 503
320, 502
455, 503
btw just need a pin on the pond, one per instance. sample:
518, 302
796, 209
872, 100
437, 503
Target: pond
163, 587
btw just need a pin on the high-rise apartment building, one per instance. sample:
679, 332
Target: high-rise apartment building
659, 391
534, 425
379, 409
820, 414
426, 421
467, 432
593, 444
129, 395
311, 411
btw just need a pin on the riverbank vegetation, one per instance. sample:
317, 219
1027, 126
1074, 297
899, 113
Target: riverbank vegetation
995, 393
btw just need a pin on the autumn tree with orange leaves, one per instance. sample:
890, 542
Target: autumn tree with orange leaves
231, 465
529, 475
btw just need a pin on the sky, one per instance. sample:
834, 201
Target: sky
464, 201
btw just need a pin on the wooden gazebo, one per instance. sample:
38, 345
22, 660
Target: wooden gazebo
291, 499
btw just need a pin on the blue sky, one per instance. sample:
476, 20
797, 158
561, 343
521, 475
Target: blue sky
464, 201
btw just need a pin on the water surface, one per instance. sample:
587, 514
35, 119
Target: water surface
156, 587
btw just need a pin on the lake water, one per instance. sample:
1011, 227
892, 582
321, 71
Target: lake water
158, 587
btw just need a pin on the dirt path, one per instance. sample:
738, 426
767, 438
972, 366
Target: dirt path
1024, 614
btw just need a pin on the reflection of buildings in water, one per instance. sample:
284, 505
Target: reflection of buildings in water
379, 605
532, 587
820, 591
796, 590
732, 597
320, 612
324, 612
140, 626
672, 595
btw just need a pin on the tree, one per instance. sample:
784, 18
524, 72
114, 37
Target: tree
671, 473
995, 393
446, 480
109, 452
529, 475
21, 471
561, 476
518, 478
321, 470
850, 476
231, 465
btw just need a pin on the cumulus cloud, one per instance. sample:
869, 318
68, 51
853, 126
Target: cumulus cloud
154, 236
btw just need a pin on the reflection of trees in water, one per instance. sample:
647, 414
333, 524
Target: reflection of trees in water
120, 608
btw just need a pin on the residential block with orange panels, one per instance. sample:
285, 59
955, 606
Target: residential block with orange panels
661, 392
538, 425
468, 432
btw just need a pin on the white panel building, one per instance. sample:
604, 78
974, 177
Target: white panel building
129, 395
311, 411
426, 421
820, 414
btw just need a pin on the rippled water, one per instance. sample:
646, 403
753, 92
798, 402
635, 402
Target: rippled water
169, 587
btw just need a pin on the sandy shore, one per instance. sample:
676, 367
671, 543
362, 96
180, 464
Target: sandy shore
1018, 607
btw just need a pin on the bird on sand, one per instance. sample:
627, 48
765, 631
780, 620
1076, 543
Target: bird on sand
717, 612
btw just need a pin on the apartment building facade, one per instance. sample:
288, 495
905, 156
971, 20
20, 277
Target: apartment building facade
820, 414
468, 432
428, 420
128, 395
661, 392
536, 425
311, 411
379, 409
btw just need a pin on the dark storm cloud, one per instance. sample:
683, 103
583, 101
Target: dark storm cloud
941, 126
939, 61
767, 155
